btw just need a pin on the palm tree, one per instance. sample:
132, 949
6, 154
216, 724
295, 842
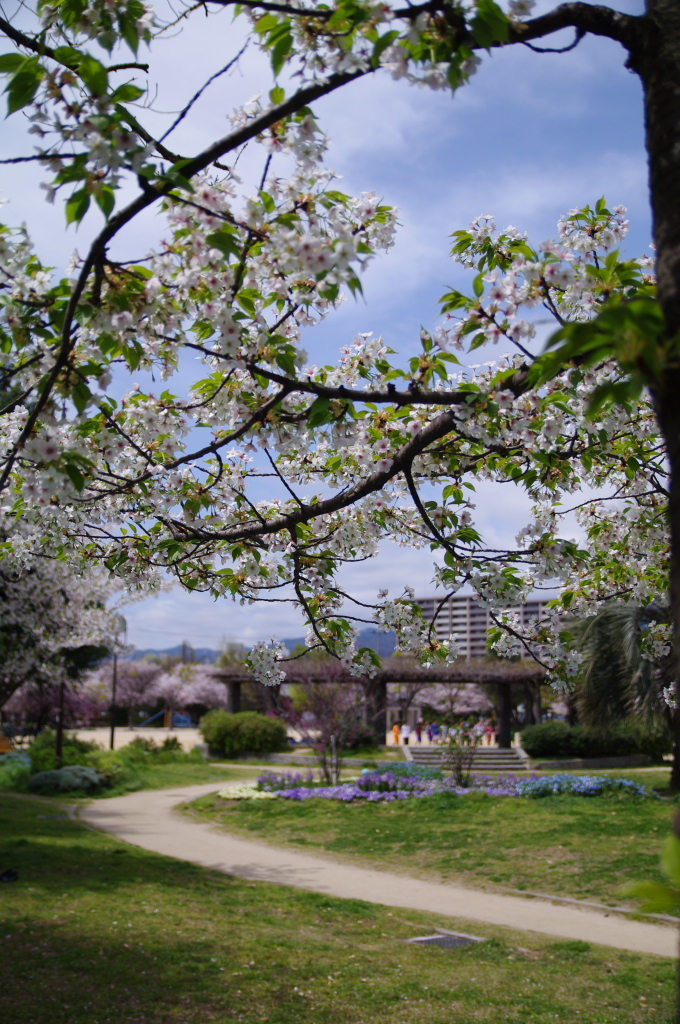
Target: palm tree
617, 681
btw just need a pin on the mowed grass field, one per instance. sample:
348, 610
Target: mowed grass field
582, 847
97, 931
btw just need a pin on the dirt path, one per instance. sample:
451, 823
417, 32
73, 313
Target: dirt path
147, 819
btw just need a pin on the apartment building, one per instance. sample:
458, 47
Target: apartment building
463, 619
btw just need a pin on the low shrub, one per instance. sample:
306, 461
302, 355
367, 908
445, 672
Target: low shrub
247, 732
557, 739
111, 765
123, 765
364, 742
15, 771
42, 751
71, 779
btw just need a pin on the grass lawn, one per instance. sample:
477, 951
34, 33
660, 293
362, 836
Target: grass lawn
98, 931
166, 776
581, 847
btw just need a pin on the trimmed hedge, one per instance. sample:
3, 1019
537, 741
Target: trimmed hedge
247, 732
557, 739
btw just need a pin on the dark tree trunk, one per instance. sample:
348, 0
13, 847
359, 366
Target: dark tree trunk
657, 61
59, 739
504, 716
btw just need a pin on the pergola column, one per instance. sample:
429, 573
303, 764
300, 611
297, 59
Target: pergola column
377, 709
235, 696
504, 716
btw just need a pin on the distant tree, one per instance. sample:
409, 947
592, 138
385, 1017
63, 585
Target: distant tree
331, 717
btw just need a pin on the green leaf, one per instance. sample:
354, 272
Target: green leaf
478, 285
454, 300
127, 93
225, 242
75, 476
93, 74
175, 177
670, 858
23, 86
106, 200
130, 34
77, 206
267, 201
10, 62
68, 55
658, 898
319, 413
285, 358
246, 303
491, 24
281, 52
372, 655
381, 45
265, 24
81, 397
277, 95
615, 393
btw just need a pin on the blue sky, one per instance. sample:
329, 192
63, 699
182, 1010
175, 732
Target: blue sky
530, 137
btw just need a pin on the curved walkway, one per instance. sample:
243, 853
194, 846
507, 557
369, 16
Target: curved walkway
147, 819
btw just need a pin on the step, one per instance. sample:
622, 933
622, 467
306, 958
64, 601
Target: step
483, 759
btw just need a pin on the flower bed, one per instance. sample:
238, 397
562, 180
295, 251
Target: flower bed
272, 781
245, 792
386, 785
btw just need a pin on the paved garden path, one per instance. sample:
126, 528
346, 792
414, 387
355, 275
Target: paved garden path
148, 819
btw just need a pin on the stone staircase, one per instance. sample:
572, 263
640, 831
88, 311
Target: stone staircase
485, 759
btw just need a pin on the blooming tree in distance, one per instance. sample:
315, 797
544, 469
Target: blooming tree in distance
52, 616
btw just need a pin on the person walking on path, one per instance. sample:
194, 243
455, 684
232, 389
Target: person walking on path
405, 733
396, 730
419, 730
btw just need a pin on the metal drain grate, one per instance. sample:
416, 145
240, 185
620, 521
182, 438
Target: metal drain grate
447, 940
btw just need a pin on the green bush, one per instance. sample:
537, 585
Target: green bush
67, 780
247, 732
42, 751
557, 739
110, 764
122, 766
15, 771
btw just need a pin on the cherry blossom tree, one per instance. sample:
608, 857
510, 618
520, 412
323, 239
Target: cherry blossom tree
134, 684
55, 621
142, 685
171, 483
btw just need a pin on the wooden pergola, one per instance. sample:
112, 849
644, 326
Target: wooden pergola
496, 672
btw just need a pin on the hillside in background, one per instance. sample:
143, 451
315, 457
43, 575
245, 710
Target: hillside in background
203, 655
383, 643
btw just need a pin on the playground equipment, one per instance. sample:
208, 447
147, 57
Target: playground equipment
171, 720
